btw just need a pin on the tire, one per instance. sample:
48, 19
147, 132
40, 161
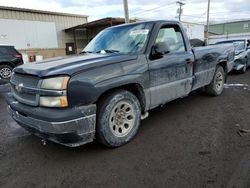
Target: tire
244, 69
118, 118
216, 86
5, 72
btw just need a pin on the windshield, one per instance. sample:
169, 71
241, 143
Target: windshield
238, 44
124, 39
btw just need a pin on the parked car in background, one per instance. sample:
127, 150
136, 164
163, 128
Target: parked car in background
9, 59
105, 91
242, 54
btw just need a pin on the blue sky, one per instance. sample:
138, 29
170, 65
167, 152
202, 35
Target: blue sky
193, 11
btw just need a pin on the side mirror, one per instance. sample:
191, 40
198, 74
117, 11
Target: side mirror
248, 43
160, 49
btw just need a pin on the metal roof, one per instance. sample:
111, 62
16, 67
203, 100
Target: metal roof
109, 21
231, 22
7, 45
101, 22
42, 12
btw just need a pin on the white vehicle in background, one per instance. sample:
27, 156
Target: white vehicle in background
242, 53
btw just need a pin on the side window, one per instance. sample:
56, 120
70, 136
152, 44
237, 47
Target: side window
172, 36
3, 50
7, 50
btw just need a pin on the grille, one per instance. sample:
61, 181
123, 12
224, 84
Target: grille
27, 81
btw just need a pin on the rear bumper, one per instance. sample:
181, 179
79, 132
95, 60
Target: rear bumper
70, 127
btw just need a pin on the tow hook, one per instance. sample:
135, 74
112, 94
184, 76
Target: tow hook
44, 142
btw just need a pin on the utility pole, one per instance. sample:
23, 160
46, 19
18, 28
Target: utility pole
125, 5
180, 10
208, 9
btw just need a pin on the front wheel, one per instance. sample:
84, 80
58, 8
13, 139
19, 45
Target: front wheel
216, 87
118, 118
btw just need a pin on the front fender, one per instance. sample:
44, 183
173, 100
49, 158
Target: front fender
85, 93
120, 81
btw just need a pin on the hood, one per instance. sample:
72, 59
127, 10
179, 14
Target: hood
71, 64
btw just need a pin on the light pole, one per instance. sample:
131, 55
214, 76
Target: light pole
180, 10
208, 9
125, 5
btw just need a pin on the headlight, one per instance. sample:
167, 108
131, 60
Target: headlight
238, 56
56, 83
54, 101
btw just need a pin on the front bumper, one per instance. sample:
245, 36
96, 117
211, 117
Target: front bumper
238, 64
70, 126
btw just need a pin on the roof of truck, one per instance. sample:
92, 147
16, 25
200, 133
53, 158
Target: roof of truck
151, 21
7, 45
156, 21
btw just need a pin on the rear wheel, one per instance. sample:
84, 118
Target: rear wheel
5, 72
118, 118
215, 88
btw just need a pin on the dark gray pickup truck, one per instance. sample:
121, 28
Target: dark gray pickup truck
105, 91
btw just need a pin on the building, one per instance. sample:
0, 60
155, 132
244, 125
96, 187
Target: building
38, 32
229, 30
85, 32
194, 31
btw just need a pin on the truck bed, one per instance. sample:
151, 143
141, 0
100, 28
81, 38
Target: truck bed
206, 59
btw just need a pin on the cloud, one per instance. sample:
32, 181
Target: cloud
193, 10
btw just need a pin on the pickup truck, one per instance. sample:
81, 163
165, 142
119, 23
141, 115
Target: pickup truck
106, 90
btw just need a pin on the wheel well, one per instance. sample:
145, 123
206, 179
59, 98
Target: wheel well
136, 89
7, 63
223, 64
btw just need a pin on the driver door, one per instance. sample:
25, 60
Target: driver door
171, 74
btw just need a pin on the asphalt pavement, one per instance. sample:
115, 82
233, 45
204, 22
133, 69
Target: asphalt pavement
190, 142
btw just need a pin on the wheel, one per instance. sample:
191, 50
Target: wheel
244, 69
118, 118
215, 88
5, 72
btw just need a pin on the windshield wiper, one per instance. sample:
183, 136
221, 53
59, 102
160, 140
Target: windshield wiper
108, 51
85, 52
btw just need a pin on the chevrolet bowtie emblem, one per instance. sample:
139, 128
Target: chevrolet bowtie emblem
19, 87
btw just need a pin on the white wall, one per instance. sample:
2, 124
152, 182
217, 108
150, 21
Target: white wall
28, 34
194, 31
